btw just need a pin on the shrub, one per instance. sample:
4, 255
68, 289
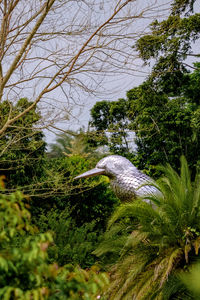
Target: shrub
25, 271
72, 244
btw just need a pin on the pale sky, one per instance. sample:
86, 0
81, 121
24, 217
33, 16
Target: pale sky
111, 88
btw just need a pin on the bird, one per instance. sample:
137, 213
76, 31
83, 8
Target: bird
127, 182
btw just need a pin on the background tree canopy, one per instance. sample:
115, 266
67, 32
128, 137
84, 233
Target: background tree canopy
22, 149
163, 112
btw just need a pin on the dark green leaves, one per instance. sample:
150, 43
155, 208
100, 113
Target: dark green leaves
159, 243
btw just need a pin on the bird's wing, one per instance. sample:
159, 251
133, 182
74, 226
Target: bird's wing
140, 182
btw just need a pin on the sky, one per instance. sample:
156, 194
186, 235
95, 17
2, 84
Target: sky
107, 68
78, 56
115, 85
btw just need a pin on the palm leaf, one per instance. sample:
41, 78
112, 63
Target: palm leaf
157, 242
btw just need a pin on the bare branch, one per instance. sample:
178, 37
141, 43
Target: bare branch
66, 47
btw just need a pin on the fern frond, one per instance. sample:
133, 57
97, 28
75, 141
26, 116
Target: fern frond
156, 242
124, 211
172, 261
185, 174
113, 241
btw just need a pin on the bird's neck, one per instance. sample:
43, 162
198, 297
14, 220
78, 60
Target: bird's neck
121, 188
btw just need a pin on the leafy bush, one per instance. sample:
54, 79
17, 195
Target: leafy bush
78, 284
25, 272
87, 199
23, 269
22, 147
72, 244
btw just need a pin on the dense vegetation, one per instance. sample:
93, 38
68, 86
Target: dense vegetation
67, 239
156, 244
165, 123
25, 270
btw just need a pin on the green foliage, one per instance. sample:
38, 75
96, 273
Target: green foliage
25, 272
175, 123
163, 242
111, 118
75, 212
96, 203
191, 88
22, 147
87, 200
78, 284
165, 127
49, 181
169, 122
72, 244
23, 269
163, 112
63, 141
170, 43
72, 144
182, 5
191, 280
52, 187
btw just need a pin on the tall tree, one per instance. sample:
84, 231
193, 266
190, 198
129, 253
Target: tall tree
169, 43
110, 121
165, 127
163, 112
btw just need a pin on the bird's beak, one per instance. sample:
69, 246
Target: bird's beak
91, 173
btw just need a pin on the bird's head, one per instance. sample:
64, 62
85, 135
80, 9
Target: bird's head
110, 166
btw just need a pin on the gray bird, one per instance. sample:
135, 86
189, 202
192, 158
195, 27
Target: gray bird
126, 180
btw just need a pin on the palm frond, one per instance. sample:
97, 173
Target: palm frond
157, 242
172, 260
